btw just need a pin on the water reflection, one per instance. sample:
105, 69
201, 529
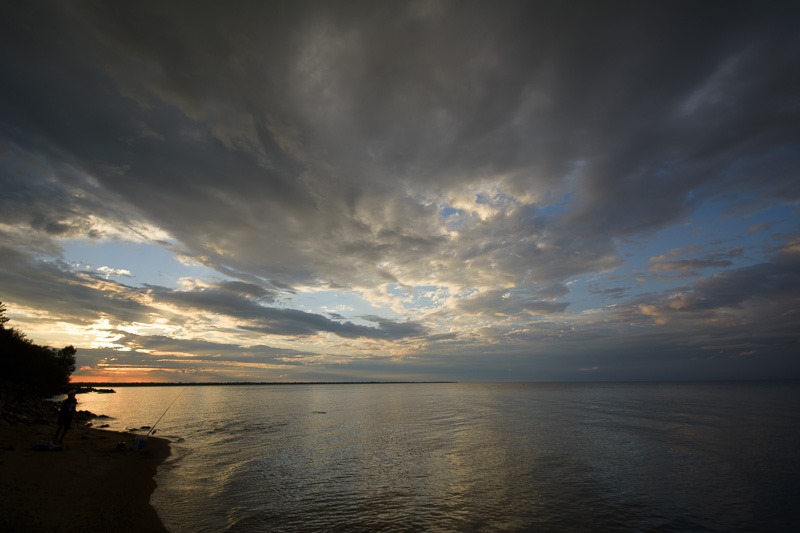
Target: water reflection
471, 457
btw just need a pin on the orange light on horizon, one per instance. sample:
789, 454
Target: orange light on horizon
112, 374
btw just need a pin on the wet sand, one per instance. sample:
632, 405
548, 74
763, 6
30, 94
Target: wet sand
93, 485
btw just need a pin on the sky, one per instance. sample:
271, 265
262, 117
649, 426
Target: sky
403, 190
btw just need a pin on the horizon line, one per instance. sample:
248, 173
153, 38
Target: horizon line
378, 382
211, 383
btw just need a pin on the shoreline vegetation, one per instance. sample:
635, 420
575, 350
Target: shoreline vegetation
92, 480
98, 481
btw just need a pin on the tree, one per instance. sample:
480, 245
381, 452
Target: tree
38, 369
66, 358
3, 317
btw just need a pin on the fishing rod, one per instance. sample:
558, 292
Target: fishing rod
153, 427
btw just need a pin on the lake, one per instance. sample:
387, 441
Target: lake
660, 456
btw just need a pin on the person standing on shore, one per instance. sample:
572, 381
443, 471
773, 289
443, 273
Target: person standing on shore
65, 415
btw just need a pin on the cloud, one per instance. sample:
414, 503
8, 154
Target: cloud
80, 298
108, 272
762, 283
232, 299
664, 263
340, 172
744, 309
614, 292
758, 227
484, 156
76, 296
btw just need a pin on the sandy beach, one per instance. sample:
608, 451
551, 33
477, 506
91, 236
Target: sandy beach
94, 484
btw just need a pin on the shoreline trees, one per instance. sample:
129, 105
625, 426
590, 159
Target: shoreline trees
30, 368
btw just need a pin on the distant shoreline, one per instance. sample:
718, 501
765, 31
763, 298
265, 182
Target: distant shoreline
237, 383
77, 384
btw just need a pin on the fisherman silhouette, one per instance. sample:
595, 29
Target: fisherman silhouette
65, 415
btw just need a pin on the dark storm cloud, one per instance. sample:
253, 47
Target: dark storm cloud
721, 107
293, 127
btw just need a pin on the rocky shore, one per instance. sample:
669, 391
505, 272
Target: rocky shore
97, 481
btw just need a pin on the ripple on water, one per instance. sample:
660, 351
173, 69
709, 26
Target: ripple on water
472, 457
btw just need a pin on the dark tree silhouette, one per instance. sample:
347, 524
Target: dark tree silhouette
29, 367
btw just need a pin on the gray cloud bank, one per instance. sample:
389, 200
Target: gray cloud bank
492, 150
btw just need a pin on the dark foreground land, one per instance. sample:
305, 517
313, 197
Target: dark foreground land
98, 482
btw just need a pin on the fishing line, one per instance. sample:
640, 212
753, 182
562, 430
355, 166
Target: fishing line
165, 412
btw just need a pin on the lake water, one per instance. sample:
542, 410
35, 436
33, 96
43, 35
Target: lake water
719, 456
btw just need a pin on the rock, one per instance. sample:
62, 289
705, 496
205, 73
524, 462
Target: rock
83, 390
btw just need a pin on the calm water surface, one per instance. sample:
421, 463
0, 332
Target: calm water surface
473, 457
